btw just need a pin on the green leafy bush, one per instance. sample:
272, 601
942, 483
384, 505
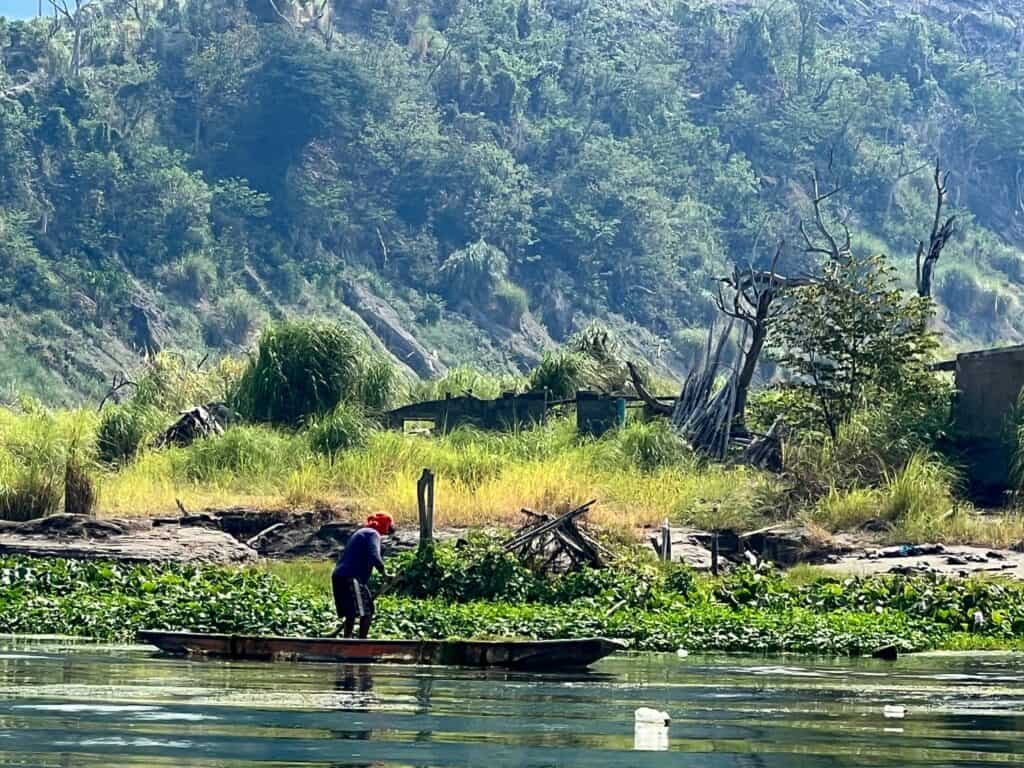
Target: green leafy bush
431, 309
473, 272
853, 334
561, 373
510, 302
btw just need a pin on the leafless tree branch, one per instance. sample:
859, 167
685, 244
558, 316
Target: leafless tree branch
942, 231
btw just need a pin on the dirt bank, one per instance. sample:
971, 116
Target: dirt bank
234, 535
239, 535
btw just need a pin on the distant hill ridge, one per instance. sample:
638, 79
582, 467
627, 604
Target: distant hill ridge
472, 182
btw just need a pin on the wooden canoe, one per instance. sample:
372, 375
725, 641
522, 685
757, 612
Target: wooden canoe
510, 654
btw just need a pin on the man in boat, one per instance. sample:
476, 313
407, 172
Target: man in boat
351, 577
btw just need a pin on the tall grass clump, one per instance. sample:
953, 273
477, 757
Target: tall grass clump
920, 496
463, 380
170, 383
79, 490
651, 445
39, 451
124, 428
244, 453
845, 510
605, 354
379, 386
343, 428
303, 369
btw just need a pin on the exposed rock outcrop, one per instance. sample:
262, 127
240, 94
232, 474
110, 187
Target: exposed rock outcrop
387, 325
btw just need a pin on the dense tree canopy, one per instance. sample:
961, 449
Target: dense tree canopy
610, 158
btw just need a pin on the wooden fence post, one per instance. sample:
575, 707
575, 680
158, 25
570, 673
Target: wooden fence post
666, 542
425, 503
714, 553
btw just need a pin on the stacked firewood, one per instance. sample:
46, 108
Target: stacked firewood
765, 451
551, 543
703, 415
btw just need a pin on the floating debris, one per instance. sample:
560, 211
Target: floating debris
650, 731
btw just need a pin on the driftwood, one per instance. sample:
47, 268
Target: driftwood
641, 390
195, 423
547, 541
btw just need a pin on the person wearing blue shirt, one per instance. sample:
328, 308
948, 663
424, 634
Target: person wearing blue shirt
350, 580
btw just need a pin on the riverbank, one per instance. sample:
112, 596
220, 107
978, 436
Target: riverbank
654, 609
641, 475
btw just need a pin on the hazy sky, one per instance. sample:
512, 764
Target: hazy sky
21, 9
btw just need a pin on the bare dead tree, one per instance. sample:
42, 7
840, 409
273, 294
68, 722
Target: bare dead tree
78, 14
903, 171
120, 382
825, 242
319, 21
753, 303
928, 255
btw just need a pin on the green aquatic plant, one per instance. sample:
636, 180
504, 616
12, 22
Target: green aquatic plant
112, 601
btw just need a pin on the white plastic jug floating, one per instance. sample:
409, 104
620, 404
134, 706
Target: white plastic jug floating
650, 731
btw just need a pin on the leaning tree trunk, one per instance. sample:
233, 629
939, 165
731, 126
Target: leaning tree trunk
76, 51
746, 375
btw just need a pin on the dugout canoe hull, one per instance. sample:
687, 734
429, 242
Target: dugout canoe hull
508, 654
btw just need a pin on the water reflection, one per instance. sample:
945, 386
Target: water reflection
74, 705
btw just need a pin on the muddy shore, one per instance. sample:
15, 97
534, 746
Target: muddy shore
240, 535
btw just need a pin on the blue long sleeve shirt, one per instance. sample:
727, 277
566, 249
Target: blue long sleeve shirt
361, 555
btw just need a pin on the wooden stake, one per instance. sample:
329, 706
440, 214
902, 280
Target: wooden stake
666, 542
714, 553
425, 503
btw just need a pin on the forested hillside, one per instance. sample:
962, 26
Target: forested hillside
475, 180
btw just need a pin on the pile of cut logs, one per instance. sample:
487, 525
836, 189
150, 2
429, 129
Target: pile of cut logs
558, 542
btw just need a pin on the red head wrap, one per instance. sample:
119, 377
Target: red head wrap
381, 522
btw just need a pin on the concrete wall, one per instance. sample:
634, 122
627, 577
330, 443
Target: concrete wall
988, 385
597, 414
506, 413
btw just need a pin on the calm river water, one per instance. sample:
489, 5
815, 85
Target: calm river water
70, 704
